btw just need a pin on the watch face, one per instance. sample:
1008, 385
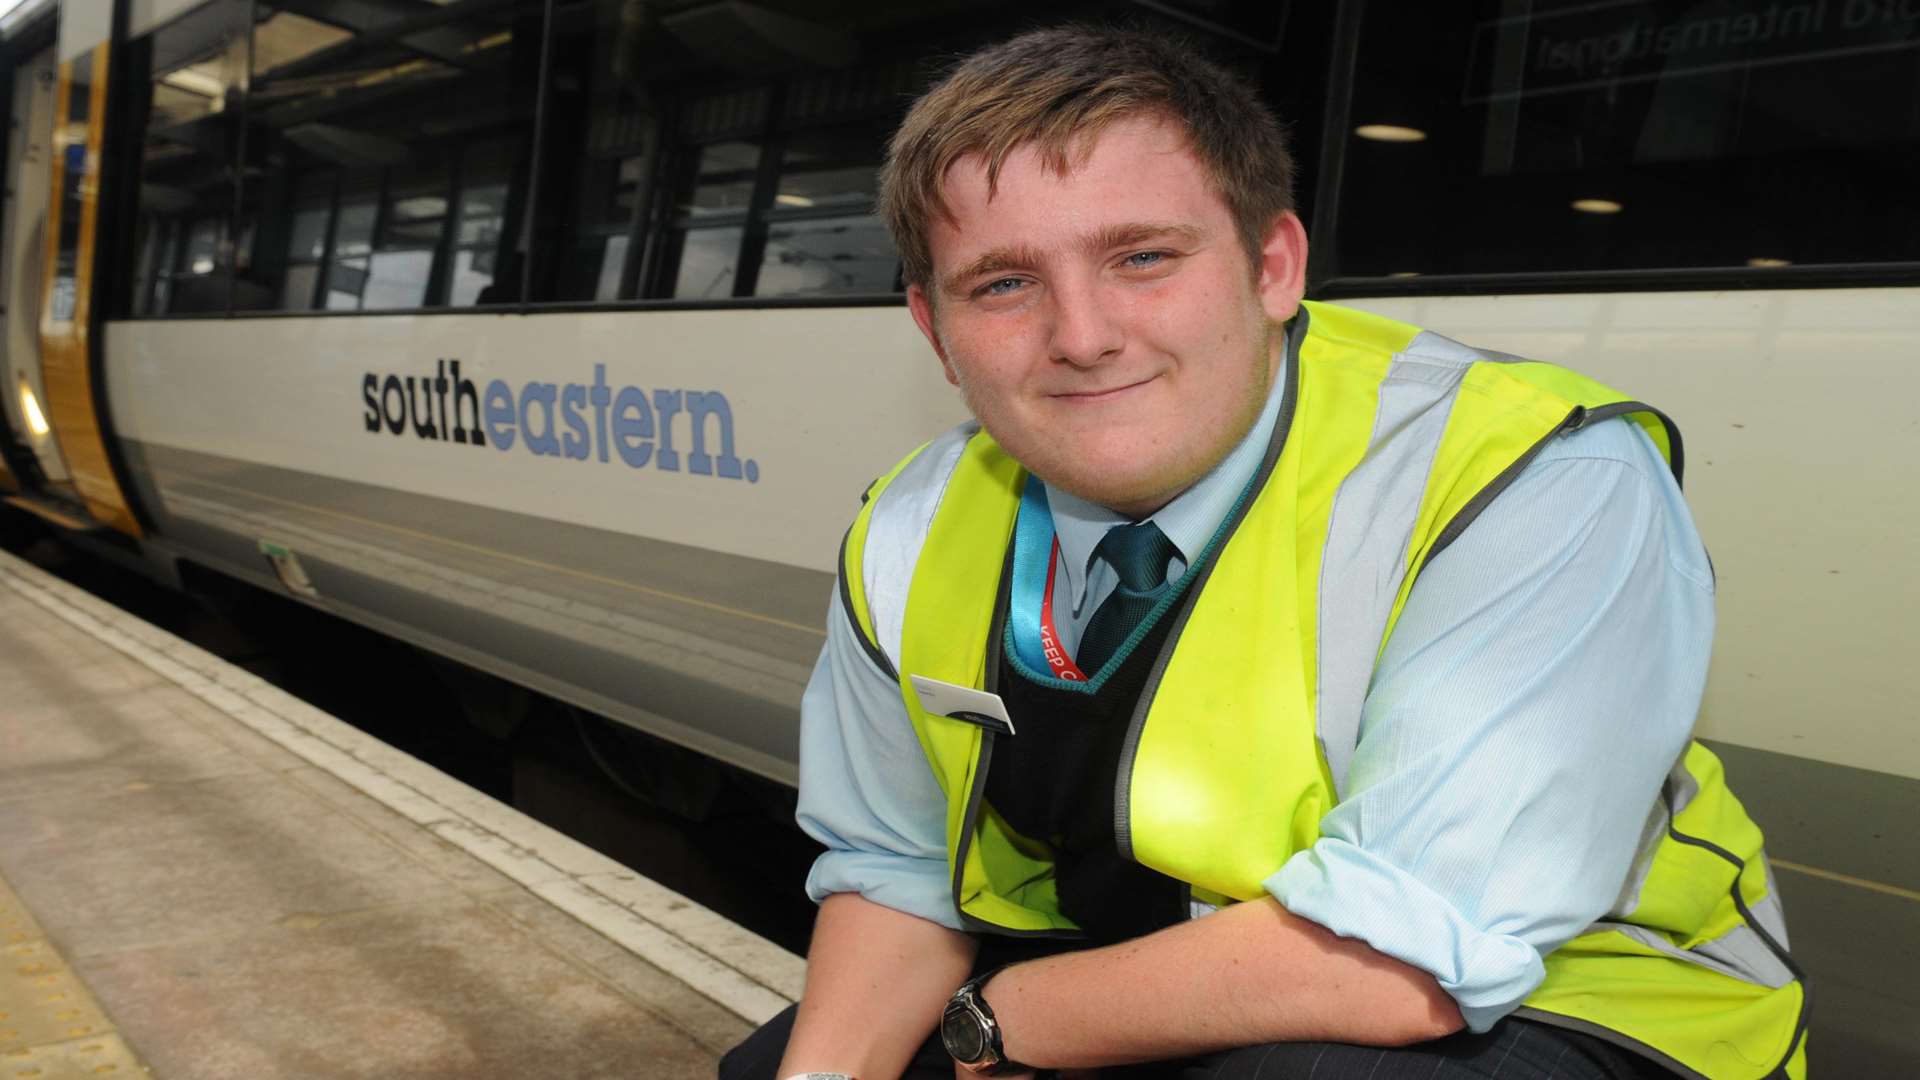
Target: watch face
963, 1035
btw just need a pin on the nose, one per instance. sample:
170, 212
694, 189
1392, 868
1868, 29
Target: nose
1085, 329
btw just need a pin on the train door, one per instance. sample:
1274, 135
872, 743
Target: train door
23, 239
52, 231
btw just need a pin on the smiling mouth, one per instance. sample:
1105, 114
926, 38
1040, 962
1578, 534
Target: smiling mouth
1102, 395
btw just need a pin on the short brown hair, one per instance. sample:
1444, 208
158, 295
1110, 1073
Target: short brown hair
1058, 87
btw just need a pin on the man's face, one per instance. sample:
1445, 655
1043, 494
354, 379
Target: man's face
1105, 326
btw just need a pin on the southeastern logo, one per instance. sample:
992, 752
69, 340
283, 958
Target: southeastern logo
601, 421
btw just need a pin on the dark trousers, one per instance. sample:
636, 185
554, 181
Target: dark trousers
1512, 1050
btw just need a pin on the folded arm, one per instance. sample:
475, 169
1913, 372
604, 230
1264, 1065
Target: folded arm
1541, 681
876, 982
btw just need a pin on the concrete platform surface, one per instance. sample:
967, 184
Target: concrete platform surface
203, 877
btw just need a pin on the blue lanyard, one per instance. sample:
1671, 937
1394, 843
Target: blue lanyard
1035, 551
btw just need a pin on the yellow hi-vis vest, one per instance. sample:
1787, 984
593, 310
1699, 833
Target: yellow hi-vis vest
1390, 441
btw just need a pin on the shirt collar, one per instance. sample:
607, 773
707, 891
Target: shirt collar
1190, 520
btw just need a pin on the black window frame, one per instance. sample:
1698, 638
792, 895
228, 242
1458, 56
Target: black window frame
1326, 282
1317, 59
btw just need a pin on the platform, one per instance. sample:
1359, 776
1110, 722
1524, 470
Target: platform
203, 877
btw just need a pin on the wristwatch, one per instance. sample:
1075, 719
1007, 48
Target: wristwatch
972, 1035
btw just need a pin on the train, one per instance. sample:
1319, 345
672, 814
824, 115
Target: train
559, 338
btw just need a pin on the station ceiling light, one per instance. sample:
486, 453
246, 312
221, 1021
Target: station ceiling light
1396, 133
1404, 273
1768, 262
1597, 206
30, 407
199, 79
787, 199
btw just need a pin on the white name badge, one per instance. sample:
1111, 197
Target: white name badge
963, 703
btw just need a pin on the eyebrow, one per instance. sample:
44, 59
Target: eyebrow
1020, 256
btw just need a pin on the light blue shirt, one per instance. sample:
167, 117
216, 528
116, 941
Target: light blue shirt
1540, 683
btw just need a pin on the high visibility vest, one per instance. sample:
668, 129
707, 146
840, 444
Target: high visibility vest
1255, 711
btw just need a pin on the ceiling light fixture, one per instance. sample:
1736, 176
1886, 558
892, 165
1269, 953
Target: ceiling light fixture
1768, 262
1597, 206
30, 405
1395, 133
785, 199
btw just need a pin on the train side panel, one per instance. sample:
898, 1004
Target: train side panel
261, 430
547, 509
1797, 410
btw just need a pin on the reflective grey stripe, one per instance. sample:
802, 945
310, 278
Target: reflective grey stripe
1770, 913
1368, 531
1739, 953
1652, 835
897, 531
1681, 786
1679, 789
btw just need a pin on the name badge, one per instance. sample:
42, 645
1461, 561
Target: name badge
963, 703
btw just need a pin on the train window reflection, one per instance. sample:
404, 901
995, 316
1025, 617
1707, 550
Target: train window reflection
384, 158
308, 239
284, 36
297, 290
726, 151
396, 279
1566, 135
477, 241
723, 181
188, 78
354, 234
822, 256
709, 263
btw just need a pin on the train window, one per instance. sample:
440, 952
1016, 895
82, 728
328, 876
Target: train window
1565, 135
713, 203
822, 236
195, 69
384, 153
708, 262
724, 151
729, 151
697, 152
481, 212
71, 146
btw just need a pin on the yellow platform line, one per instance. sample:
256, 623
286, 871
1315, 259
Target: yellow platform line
534, 564
51, 1027
1847, 879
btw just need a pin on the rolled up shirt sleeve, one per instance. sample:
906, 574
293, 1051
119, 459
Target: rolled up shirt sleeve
866, 789
1543, 678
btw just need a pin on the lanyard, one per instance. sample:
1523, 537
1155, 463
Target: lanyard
1036, 561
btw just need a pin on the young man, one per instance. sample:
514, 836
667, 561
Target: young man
1342, 675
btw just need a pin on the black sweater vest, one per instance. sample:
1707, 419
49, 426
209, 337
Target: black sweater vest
1054, 783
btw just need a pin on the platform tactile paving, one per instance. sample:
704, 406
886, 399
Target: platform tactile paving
50, 1026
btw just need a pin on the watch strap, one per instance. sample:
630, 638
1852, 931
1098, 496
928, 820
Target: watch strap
997, 1063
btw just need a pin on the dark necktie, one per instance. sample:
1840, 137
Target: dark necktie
1138, 554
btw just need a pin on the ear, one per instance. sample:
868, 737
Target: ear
921, 305
1283, 268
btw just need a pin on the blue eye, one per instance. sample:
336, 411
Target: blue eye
1142, 260
1002, 287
